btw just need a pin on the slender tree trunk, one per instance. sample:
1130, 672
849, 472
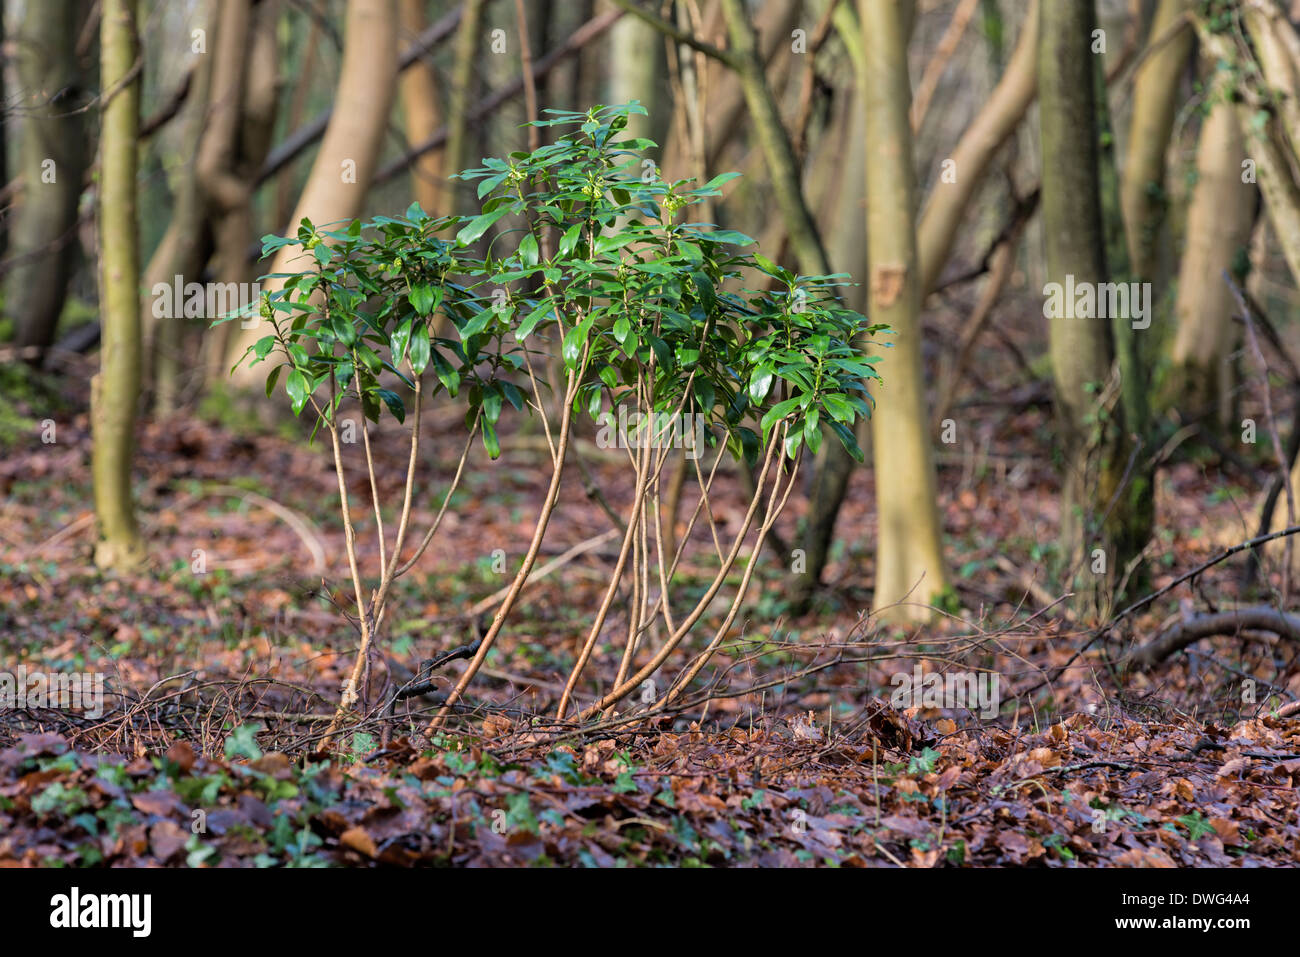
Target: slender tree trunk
349, 151
636, 70
52, 157
1095, 545
1218, 231
4, 143
232, 149
805, 241
306, 69
971, 158
419, 95
115, 390
723, 93
469, 48
909, 555
182, 251
1155, 102
1273, 144
774, 141
1133, 513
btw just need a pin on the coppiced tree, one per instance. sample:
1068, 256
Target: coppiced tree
115, 389
1100, 532
51, 163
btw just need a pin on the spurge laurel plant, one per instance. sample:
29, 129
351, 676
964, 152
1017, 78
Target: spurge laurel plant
593, 292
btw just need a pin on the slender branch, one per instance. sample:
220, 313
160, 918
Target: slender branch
674, 32
539, 532
455, 481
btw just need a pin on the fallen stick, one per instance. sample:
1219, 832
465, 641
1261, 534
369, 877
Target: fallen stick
1194, 628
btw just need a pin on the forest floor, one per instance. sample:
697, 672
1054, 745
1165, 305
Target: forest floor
221, 658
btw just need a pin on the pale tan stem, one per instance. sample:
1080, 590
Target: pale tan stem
548, 506
575, 673
363, 618
689, 675
621, 691
380, 600
374, 498
455, 482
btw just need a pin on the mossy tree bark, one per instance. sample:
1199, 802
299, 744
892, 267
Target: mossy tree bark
52, 164
115, 389
1100, 535
1155, 102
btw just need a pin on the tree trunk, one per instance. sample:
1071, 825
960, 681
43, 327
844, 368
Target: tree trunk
182, 251
4, 144
909, 555
115, 390
1218, 230
1271, 144
419, 94
636, 68
349, 152
469, 46
52, 164
992, 127
1155, 101
833, 464
1095, 530
233, 147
